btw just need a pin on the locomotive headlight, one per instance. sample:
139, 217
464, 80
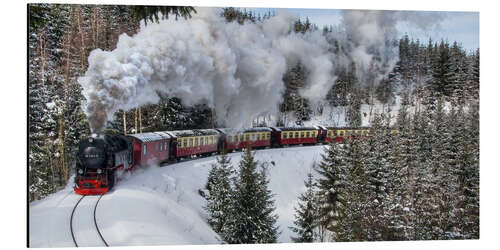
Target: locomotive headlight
99, 171
80, 171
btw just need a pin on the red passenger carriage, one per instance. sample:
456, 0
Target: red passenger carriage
194, 142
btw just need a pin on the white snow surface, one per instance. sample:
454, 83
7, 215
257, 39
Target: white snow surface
162, 206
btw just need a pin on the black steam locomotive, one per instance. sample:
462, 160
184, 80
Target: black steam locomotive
99, 158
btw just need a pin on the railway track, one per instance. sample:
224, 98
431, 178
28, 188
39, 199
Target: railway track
94, 219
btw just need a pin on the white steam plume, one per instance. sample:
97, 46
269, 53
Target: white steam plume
366, 37
235, 69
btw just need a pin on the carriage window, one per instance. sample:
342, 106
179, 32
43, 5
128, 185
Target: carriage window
190, 142
285, 135
165, 146
253, 137
161, 146
211, 141
144, 149
301, 134
308, 134
202, 139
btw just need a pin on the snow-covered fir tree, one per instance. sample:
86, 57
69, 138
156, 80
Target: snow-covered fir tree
219, 197
306, 214
252, 219
353, 217
376, 160
401, 170
331, 181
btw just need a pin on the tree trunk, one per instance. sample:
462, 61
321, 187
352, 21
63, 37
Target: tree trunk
140, 120
136, 124
124, 122
62, 156
82, 37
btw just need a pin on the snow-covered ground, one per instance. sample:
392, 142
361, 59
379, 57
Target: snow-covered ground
162, 205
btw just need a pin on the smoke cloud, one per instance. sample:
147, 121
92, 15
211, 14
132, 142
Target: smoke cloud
235, 69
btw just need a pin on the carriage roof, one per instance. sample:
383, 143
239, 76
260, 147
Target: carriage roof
248, 130
151, 136
194, 132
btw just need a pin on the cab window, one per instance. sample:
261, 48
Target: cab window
144, 149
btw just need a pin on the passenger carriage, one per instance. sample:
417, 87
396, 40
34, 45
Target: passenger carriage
296, 135
335, 134
151, 148
194, 142
259, 137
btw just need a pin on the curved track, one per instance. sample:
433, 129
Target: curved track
94, 218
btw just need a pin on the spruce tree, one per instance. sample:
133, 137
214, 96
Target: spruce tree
219, 194
376, 160
252, 219
353, 218
306, 214
331, 181
401, 169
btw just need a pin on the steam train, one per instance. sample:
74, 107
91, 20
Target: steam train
102, 159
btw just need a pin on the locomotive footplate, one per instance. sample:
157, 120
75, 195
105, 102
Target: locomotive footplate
90, 187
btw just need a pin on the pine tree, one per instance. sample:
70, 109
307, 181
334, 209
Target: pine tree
353, 217
426, 190
376, 160
353, 114
220, 194
402, 168
252, 219
331, 181
306, 214
469, 173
